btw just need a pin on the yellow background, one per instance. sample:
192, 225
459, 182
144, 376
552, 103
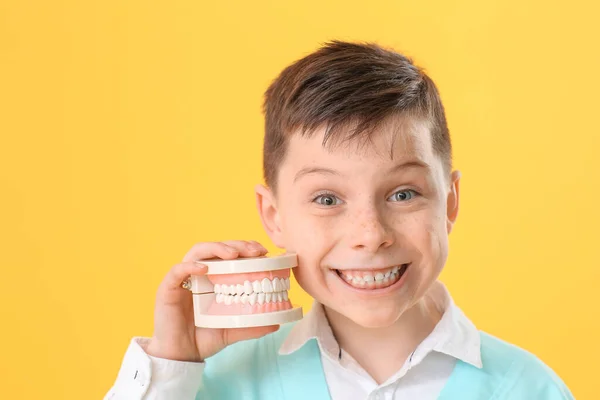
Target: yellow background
131, 130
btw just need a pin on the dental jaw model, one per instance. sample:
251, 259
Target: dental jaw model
245, 292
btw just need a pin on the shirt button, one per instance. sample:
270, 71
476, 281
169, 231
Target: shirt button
139, 378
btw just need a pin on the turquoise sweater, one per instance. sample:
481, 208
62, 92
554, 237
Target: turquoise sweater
254, 370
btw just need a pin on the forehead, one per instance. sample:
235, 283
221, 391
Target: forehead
396, 139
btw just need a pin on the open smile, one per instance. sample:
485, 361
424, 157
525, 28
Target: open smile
372, 279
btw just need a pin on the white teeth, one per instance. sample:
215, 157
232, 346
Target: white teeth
387, 274
379, 276
264, 291
395, 269
247, 287
267, 287
349, 277
368, 278
356, 280
239, 289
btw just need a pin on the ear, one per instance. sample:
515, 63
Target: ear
452, 201
269, 216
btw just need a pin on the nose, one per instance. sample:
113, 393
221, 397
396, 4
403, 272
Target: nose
370, 231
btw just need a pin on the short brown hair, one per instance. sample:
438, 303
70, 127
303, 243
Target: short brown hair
346, 82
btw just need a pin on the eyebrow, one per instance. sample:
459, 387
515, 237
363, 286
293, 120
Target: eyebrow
328, 171
411, 164
315, 170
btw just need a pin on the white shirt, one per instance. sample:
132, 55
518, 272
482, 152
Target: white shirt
422, 376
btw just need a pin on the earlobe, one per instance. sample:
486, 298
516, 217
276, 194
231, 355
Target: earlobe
269, 215
453, 200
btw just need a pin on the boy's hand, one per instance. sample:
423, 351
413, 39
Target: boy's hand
175, 335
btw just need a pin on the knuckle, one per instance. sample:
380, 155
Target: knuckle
181, 268
175, 269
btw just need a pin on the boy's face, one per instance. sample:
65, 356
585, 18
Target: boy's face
356, 211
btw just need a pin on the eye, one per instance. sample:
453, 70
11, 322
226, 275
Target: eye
327, 200
403, 195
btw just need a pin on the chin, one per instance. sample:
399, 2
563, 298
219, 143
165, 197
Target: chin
369, 318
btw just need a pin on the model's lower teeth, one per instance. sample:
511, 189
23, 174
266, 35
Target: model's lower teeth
373, 279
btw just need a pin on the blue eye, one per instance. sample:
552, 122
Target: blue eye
402, 195
327, 200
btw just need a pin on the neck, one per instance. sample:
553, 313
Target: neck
390, 346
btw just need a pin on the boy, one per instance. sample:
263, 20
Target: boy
359, 183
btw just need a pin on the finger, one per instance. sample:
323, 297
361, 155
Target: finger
259, 245
206, 250
247, 248
233, 335
181, 272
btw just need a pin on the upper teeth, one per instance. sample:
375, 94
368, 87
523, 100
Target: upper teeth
367, 277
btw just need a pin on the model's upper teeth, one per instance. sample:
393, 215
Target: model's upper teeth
267, 286
264, 286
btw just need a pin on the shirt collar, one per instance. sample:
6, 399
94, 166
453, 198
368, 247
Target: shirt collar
454, 334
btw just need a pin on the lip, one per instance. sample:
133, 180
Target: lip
370, 293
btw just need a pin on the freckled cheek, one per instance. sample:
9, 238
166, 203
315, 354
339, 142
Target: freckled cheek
435, 244
424, 232
312, 238
308, 235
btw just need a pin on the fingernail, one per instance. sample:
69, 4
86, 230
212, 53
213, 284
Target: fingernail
232, 250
